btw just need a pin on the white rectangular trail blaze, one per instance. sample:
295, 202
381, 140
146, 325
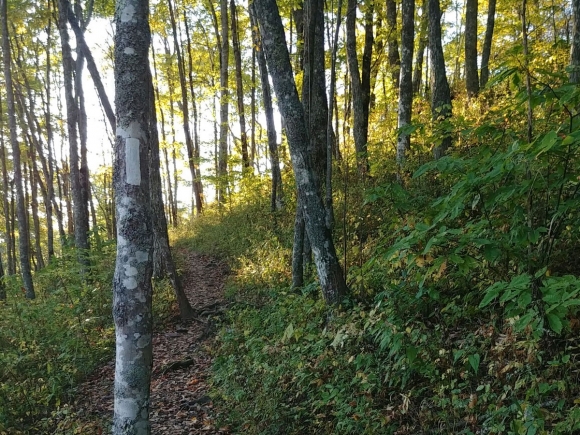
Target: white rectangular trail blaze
132, 161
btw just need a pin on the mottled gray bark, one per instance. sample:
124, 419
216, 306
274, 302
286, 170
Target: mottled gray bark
422, 44
132, 289
23, 240
274, 42
575, 44
224, 105
471, 75
441, 95
406, 80
277, 194
392, 42
487, 41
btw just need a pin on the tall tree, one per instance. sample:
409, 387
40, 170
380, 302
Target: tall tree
185, 109
441, 94
488, 38
277, 194
471, 76
393, 43
7, 190
162, 257
360, 82
81, 221
132, 289
575, 45
224, 105
274, 42
23, 239
422, 44
406, 80
239, 85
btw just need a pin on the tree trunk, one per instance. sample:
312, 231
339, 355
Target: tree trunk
161, 248
418, 73
392, 43
239, 86
441, 95
2, 283
406, 80
329, 271
185, 107
7, 189
24, 247
81, 224
277, 195
575, 44
224, 96
486, 51
360, 110
198, 186
132, 281
471, 76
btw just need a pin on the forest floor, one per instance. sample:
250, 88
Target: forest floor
180, 404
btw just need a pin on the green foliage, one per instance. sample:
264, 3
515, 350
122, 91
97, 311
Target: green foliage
464, 311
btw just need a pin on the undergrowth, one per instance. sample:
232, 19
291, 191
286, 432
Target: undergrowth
48, 345
463, 313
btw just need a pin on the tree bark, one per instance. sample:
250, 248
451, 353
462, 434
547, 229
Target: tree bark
23, 239
81, 224
441, 95
422, 44
185, 108
198, 186
392, 43
575, 45
277, 194
161, 248
132, 289
406, 80
471, 76
239, 86
329, 271
224, 104
360, 109
7, 189
486, 50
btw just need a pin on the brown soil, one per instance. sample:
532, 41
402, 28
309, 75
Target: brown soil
180, 404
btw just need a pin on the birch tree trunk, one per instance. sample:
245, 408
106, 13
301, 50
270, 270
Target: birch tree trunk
132, 281
274, 42
406, 80
23, 239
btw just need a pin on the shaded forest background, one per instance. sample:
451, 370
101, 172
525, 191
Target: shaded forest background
443, 137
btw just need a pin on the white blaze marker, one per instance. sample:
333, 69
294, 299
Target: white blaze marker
132, 163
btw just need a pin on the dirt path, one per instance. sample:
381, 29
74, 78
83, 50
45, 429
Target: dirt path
179, 401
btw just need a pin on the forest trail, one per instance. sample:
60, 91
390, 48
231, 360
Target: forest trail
180, 404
